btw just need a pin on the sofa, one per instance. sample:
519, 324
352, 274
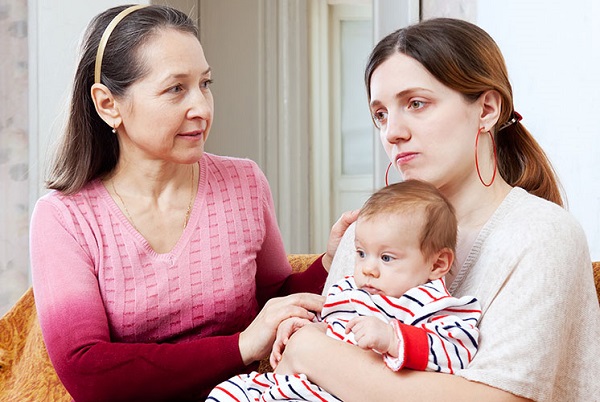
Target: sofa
26, 373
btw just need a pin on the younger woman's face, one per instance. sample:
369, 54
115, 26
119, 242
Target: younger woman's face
427, 129
167, 114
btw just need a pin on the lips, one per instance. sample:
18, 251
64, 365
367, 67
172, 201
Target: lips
371, 290
196, 133
405, 157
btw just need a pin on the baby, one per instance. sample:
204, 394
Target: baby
396, 302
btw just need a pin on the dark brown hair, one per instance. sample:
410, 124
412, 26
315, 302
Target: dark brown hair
413, 196
465, 58
88, 149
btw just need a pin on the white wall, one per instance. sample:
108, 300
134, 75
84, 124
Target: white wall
257, 50
553, 59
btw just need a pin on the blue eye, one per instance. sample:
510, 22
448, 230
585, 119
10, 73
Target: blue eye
360, 253
386, 258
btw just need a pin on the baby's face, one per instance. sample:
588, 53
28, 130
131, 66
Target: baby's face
389, 259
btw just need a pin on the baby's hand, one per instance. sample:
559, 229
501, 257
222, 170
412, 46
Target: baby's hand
284, 331
373, 333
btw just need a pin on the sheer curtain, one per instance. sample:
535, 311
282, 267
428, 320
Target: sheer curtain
14, 184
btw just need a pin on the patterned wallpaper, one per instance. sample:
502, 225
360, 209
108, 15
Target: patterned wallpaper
14, 209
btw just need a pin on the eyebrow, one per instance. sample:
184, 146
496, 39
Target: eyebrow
184, 75
401, 94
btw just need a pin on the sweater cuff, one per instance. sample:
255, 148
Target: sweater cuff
413, 348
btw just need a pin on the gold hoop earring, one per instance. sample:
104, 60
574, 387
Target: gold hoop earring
477, 158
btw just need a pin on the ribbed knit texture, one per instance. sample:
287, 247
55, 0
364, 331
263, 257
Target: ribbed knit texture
99, 286
207, 280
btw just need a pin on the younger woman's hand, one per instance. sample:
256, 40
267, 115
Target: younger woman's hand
256, 341
335, 236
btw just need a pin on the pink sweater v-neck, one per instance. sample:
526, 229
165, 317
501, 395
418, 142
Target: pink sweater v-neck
122, 322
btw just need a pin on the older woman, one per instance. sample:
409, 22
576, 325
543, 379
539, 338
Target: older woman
151, 258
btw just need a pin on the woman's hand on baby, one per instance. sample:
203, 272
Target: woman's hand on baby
256, 341
335, 236
374, 334
284, 331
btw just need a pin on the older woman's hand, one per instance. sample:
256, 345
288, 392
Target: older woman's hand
255, 342
300, 345
284, 331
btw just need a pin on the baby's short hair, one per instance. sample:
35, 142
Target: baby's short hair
413, 196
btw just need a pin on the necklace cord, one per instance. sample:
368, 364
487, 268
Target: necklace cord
187, 213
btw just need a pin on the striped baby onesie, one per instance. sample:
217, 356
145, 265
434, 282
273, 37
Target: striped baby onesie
450, 325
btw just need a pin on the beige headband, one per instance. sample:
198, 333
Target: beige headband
106, 35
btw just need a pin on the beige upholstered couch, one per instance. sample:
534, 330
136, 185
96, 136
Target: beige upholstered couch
26, 373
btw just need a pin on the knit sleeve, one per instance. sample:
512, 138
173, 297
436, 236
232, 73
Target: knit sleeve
78, 337
274, 274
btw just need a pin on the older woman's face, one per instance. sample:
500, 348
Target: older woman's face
427, 129
168, 113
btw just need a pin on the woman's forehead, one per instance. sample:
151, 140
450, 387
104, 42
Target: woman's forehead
401, 75
402, 69
170, 51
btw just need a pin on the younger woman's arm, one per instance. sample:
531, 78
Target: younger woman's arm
354, 374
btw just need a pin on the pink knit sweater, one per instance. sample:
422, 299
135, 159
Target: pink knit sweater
122, 322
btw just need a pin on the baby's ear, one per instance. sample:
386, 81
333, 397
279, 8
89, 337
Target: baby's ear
441, 264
